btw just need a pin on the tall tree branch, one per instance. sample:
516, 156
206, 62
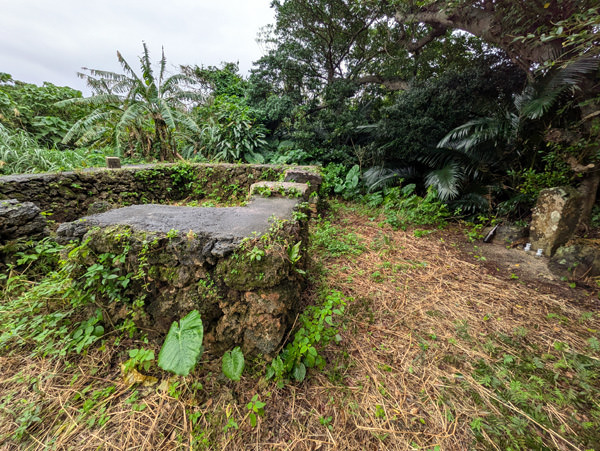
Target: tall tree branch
483, 23
391, 83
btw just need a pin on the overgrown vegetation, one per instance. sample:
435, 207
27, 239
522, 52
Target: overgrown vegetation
19, 154
404, 345
485, 121
418, 112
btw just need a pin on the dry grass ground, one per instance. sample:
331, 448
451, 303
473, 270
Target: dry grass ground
439, 351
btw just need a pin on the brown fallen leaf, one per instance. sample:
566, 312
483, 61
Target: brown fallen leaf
133, 376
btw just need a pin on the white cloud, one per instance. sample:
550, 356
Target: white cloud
51, 41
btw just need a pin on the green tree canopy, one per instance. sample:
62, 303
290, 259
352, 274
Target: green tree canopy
33, 109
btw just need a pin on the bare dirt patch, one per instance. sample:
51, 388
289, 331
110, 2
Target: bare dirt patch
514, 265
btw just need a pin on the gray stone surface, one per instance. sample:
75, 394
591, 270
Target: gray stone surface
576, 262
221, 228
207, 265
554, 218
20, 219
68, 195
300, 175
244, 301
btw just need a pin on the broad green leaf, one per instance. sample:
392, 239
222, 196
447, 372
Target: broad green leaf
183, 345
299, 372
309, 361
233, 363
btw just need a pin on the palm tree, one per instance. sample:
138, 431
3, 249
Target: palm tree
485, 148
137, 110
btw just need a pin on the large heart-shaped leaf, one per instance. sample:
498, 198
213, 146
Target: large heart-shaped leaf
233, 363
183, 345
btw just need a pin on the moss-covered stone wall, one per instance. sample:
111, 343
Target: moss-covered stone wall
248, 298
66, 196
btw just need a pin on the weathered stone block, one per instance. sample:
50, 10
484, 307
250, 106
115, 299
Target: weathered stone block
231, 264
68, 195
20, 219
576, 262
280, 189
554, 218
309, 177
177, 259
113, 162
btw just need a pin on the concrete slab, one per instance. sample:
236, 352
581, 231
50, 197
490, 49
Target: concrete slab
229, 223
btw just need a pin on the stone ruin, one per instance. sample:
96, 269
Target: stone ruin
232, 264
554, 218
553, 224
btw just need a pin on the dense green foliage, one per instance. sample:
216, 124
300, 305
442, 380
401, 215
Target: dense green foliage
380, 86
33, 109
21, 153
144, 111
382, 90
417, 111
317, 329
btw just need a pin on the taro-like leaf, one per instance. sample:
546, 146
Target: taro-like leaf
299, 372
233, 363
183, 345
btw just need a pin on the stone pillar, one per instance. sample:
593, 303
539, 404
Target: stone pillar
554, 218
113, 162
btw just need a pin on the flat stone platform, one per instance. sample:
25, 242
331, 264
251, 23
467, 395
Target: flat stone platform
224, 227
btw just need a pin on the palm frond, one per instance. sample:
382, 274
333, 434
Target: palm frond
173, 84
543, 96
167, 114
128, 69
478, 131
163, 65
574, 73
378, 177
94, 134
447, 181
146, 66
187, 122
82, 125
471, 203
129, 118
102, 74
97, 100
439, 157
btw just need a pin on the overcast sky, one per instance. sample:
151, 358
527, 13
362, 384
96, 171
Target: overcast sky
43, 40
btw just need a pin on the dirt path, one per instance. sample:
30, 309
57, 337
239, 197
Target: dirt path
514, 264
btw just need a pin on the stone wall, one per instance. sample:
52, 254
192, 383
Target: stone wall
240, 267
247, 298
68, 195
